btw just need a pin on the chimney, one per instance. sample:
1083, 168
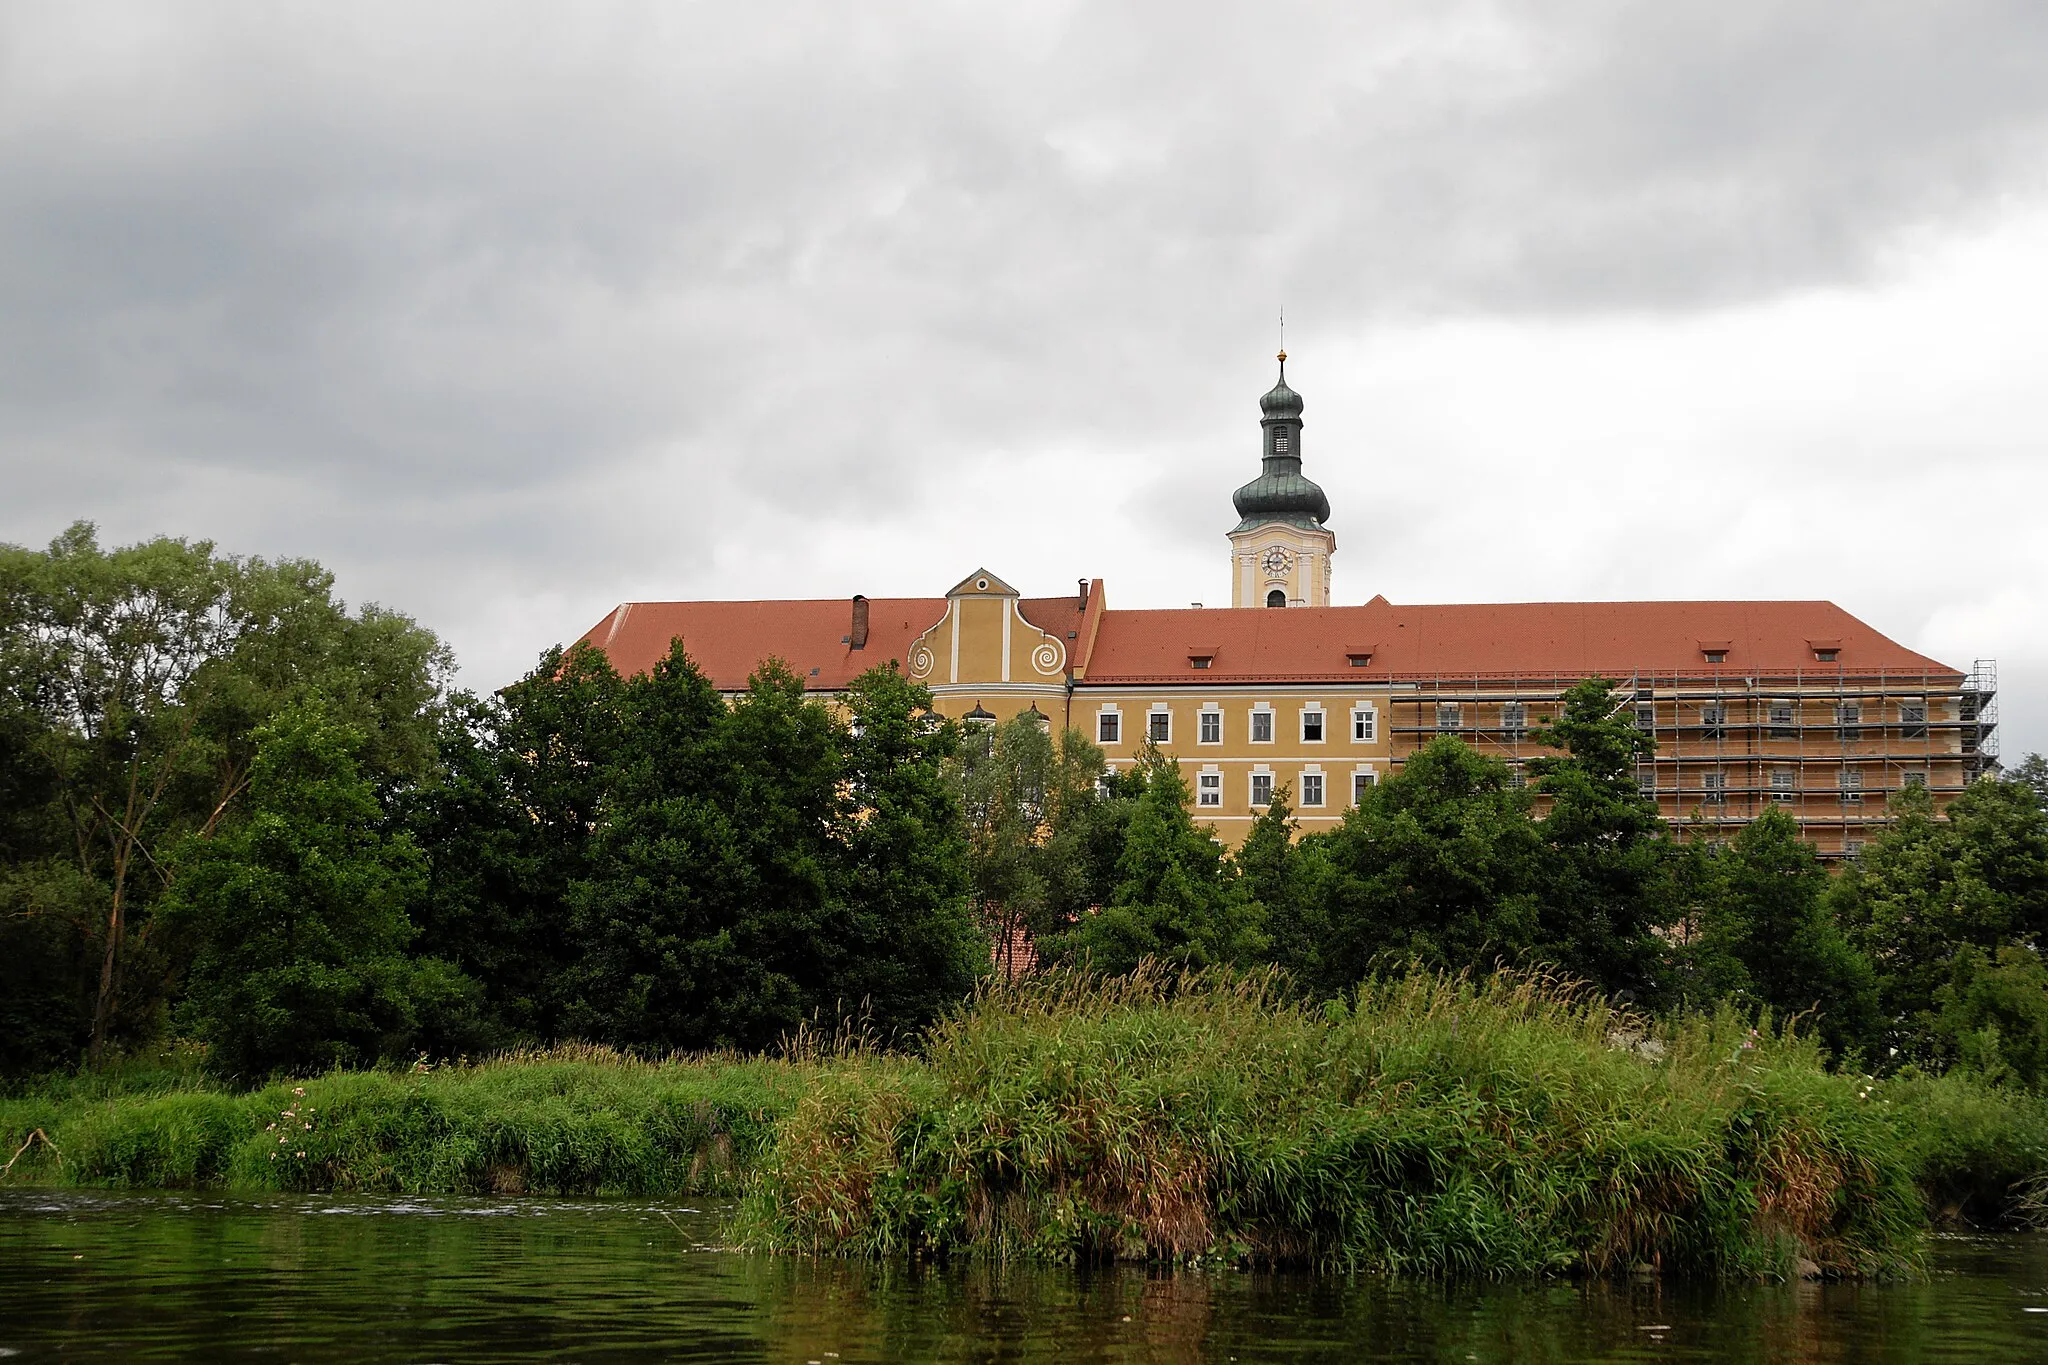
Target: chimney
858, 639
1081, 598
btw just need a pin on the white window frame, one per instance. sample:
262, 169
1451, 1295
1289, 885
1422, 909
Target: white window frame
1252, 787
1314, 708
1849, 720
1109, 709
1519, 711
1455, 710
1156, 710
1322, 787
1252, 725
1209, 788
1913, 777
1913, 718
1365, 716
1714, 788
1368, 773
1208, 718
1785, 785
1851, 786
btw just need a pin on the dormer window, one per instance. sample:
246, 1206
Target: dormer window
1827, 656
1360, 656
1717, 656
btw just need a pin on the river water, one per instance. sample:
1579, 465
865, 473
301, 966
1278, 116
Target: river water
114, 1276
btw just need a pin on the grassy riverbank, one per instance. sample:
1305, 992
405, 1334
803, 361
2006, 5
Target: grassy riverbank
1438, 1125
1434, 1125
571, 1121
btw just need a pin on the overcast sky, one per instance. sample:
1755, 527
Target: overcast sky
510, 312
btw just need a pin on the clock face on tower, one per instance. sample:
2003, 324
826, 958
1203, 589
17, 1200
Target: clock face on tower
1276, 561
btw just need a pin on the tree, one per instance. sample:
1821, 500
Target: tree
1607, 884
1928, 886
1005, 777
298, 910
1279, 872
147, 671
1992, 1015
911, 946
1437, 865
1175, 898
1765, 935
505, 820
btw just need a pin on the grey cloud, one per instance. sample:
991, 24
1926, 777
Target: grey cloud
519, 299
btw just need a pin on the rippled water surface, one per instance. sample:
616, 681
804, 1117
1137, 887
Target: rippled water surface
100, 1276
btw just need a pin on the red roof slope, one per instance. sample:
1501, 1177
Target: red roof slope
728, 640
1515, 639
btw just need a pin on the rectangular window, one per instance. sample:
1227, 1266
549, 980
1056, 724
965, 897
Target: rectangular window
1852, 847
1514, 717
1159, 727
1311, 727
1517, 779
1714, 787
1914, 777
1262, 727
1262, 789
1364, 724
1849, 715
1311, 789
1646, 783
1784, 784
1280, 441
1646, 717
1912, 720
1109, 728
1782, 723
1447, 715
1713, 720
1212, 727
1359, 783
1209, 789
1852, 786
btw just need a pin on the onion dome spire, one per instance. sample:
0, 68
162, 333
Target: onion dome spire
1281, 492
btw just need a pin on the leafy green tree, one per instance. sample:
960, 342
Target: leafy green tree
1607, 876
1992, 1015
1928, 886
1175, 898
298, 910
1280, 872
910, 946
708, 882
146, 671
1436, 865
1766, 936
1090, 810
1006, 778
505, 820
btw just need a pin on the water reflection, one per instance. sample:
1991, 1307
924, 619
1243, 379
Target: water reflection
119, 1276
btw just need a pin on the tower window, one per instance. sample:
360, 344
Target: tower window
1280, 441
1276, 598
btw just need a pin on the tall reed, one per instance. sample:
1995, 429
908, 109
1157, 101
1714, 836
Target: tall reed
1506, 1124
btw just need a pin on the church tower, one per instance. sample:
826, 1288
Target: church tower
1280, 551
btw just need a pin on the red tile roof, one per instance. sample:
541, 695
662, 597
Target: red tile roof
728, 640
1511, 639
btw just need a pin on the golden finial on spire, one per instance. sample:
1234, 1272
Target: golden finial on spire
1283, 336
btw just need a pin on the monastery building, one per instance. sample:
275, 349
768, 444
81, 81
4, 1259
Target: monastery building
1794, 704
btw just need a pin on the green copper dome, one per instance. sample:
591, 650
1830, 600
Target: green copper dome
1281, 492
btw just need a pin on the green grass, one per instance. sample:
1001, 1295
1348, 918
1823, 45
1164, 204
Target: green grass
572, 1121
1434, 1125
